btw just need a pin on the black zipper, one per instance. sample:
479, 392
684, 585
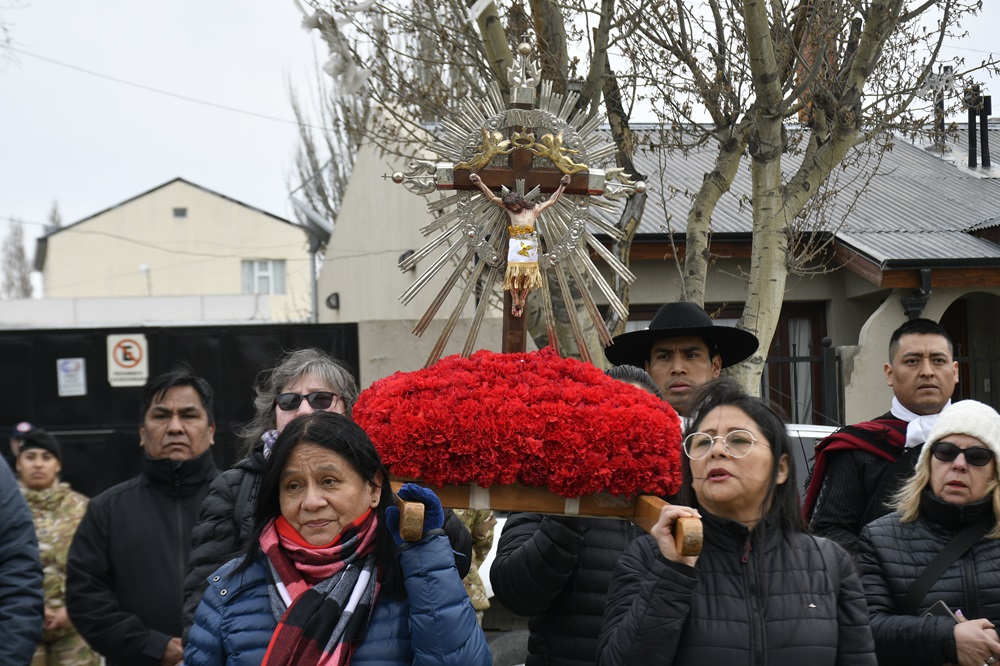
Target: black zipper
754, 607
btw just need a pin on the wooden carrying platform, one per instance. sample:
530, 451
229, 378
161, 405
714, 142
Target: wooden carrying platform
643, 511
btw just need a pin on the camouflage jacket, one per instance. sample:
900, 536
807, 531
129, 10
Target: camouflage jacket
57, 512
480, 524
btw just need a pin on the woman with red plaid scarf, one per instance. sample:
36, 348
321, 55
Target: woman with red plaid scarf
329, 580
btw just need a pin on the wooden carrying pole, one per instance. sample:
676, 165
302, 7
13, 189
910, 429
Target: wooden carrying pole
643, 511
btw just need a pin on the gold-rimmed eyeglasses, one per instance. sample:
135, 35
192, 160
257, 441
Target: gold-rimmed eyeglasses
737, 443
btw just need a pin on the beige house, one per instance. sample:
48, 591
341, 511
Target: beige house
181, 239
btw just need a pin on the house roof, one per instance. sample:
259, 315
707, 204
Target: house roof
916, 213
41, 243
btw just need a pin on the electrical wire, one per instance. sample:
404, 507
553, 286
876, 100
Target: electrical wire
167, 93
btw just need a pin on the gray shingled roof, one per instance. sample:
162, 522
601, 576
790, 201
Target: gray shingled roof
917, 209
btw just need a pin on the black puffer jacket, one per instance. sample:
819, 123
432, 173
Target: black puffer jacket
557, 572
892, 557
223, 530
752, 598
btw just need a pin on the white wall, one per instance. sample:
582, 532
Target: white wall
128, 311
378, 222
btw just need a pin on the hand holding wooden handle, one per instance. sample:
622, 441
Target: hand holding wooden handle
688, 536
411, 520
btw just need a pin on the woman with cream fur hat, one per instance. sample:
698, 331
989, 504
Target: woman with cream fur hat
940, 550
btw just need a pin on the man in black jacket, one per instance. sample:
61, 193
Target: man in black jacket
860, 467
127, 562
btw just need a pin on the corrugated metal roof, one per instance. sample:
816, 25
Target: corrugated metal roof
914, 192
888, 247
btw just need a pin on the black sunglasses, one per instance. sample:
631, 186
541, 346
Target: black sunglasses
319, 400
974, 455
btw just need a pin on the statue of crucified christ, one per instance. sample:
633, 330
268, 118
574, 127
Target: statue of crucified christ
522, 273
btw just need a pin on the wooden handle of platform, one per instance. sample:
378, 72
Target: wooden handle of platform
688, 536
687, 530
411, 520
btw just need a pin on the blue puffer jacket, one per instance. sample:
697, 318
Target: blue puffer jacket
21, 601
434, 624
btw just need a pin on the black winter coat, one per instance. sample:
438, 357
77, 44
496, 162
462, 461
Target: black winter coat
760, 598
126, 566
223, 530
892, 557
557, 572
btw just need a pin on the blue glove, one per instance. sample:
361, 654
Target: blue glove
433, 512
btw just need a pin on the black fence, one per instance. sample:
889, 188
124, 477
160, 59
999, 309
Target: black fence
805, 385
97, 423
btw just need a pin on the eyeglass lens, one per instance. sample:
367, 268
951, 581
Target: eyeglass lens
318, 400
974, 455
737, 444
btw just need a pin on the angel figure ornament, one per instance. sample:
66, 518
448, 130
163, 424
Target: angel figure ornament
522, 273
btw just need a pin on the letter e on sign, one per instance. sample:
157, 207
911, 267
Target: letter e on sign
128, 363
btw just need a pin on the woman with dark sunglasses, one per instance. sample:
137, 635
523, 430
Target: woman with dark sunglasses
940, 550
304, 381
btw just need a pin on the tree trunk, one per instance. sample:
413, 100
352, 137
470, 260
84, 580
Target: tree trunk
697, 256
766, 143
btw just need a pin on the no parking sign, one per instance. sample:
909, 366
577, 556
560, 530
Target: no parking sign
128, 362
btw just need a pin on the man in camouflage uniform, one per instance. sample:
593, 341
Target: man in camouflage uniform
480, 524
57, 511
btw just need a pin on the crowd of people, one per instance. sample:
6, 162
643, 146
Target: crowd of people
296, 556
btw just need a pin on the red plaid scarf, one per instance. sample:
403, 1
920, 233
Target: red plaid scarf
332, 590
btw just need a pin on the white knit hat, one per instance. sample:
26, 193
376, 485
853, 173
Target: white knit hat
967, 417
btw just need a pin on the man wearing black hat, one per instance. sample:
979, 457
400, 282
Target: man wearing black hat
681, 349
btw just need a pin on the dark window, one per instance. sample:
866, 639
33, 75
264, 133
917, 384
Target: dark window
180, 212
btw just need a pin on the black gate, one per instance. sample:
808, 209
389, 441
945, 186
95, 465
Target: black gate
98, 430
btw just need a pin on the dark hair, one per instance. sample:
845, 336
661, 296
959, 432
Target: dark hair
634, 375
182, 375
516, 199
339, 434
782, 501
919, 327
289, 368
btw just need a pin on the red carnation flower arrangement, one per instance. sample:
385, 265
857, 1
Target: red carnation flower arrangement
534, 418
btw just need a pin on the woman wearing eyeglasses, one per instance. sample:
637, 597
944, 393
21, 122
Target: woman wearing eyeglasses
304, 381
941, 545
762, 591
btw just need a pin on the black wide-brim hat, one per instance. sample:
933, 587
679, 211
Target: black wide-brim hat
676, 320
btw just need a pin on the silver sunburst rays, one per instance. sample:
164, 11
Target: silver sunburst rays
471, 234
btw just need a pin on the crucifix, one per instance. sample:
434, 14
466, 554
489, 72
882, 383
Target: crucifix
529, 149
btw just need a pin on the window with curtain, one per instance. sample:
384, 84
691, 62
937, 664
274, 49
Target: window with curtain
263, 276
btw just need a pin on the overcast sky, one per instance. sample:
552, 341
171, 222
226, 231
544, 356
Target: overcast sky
71, 134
